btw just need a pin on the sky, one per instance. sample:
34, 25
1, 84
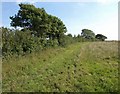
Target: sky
100, 16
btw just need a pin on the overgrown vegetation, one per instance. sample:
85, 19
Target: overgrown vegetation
80, 67
41, 57
39, 30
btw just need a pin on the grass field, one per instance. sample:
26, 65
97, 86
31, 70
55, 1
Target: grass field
80, 67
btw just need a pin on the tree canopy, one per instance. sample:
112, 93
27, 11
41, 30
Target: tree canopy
37, 20
39, 30
100, 37
70, 35
88, 34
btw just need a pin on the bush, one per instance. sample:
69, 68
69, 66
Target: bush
66, 40
53, 43
22, 42
19, 42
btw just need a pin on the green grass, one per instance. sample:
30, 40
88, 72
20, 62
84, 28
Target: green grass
80, 67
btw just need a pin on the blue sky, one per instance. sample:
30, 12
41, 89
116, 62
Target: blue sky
100, 17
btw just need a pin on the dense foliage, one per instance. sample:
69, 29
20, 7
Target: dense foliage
100, 37
38, 21
80, 67
39, 30
88, 34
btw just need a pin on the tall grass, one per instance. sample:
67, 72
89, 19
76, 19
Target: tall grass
80, 67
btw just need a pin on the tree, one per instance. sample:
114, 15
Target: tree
56, 27
88, 34
78, 36
100, 37
37, 20
30, 17
70, 35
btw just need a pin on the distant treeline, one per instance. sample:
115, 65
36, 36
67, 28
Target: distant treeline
39, 30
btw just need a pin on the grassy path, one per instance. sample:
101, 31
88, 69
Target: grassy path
81, 67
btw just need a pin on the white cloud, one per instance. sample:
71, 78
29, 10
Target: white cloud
27, 1
33, 1
60, 0
107, 1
